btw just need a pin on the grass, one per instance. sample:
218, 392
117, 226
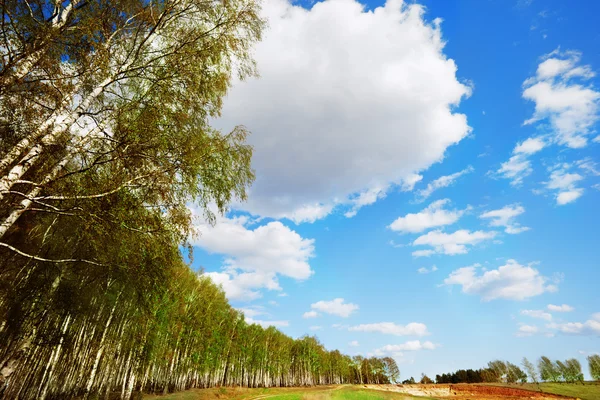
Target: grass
313, 393
588, 391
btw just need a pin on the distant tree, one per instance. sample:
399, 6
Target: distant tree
594, 366
530, 369
563, 370
515, 374
410, 381
391, 369
549, 371
499, 369
573, 367
425, 380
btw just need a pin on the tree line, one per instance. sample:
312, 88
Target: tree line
569, 371
105, 140
87, 338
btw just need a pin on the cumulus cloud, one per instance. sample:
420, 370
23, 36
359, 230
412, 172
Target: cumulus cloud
527, 330
511, 281
254, 258
433, 216
334, 307
397, 350
560, 308
349, 100
424, 270
315, 328
518, 166
565, 184
540, 314
590, 327
390, 328
505, 217
353, 343
564, 97
450, 243
310, 314
441, 182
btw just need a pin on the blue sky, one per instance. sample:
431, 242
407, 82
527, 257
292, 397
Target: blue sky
396, 137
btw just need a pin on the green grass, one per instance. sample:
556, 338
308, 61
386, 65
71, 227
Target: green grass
314, 393
588, 391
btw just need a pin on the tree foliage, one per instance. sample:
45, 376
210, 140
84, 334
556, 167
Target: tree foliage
594, 366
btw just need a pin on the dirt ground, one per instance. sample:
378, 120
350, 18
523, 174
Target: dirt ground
472, 392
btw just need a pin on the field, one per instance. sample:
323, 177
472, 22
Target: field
544, 391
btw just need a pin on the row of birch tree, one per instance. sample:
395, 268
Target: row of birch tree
105, 142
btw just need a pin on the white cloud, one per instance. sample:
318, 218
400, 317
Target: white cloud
315, 328
589, 166
441, 182
423, 253
590, 327
365, 198
451, 243
348, 99
518, 167
563, 96
433, 216
563, 308
251, 312
537, 314
243, 286
424, 270
310, 314
265, 324
511, 281
390, 328
530, 146
527, 330
505, 217
353, 343
397, 349
565, 184
335, 307
255, 257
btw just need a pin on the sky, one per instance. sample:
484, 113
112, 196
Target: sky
427, 181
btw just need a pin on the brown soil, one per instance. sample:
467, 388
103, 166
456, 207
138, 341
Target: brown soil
466, 391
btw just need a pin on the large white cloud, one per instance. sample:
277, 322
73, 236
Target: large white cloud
255, 257
390, 328
563, 95
511, 281
505, 217
433, 216
334, 307
349, 102
450, 243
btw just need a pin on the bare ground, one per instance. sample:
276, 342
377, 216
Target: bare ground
465, 391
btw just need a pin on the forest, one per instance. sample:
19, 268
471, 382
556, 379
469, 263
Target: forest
106, 144
569, 371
